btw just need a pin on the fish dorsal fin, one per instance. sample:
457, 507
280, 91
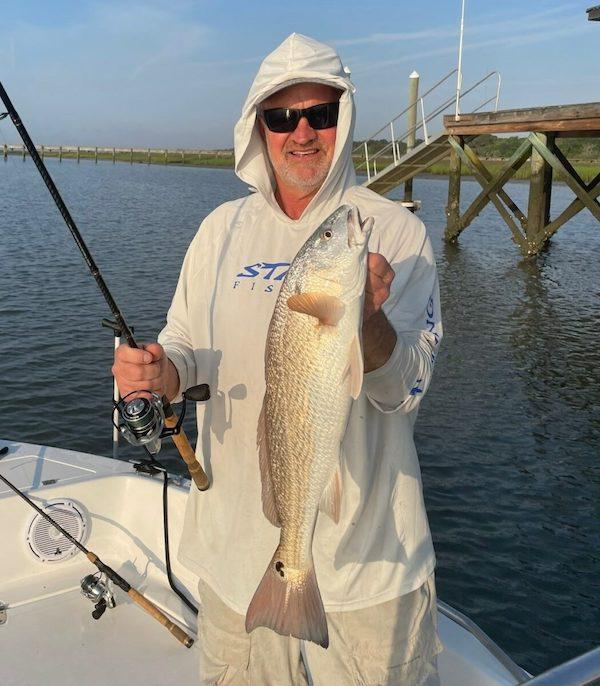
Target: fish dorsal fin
326, 308
355, 367
332, 496
268, 496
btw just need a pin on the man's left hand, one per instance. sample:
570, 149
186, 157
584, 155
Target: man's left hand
377, 289
378, 336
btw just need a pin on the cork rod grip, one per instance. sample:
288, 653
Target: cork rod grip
139, 599
186, 451
152, 610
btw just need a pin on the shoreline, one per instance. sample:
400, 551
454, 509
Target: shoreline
587, 170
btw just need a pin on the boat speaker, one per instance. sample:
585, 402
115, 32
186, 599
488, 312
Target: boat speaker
46, 542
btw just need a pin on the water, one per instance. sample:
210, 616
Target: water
508, 435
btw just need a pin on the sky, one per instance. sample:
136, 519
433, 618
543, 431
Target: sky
175, 73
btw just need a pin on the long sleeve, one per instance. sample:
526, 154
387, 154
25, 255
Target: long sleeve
413, 309
176, 337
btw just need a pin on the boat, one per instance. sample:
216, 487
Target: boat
47, 633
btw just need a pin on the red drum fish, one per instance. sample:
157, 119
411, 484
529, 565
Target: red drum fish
313, 369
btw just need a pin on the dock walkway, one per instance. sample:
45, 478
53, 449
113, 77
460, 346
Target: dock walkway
532, 229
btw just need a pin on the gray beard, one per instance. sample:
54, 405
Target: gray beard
286, 174
304, 183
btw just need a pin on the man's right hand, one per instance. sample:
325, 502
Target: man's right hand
145, 369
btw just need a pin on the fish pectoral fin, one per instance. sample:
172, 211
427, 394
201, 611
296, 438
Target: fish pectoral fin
332, 496
355, 368
326, 308
367, 225
268, 496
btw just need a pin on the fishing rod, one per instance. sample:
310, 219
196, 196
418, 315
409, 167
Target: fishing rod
110, 573
142, 418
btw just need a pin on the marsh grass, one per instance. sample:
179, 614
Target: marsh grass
587, 170
225, 159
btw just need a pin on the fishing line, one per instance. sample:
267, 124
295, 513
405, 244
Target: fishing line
2, 116
153, 466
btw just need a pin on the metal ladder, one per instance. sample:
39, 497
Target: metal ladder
388, 166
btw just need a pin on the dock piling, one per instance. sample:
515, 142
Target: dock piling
542, 125
560, 164
453, 206
540, 190
96, 155
411, 138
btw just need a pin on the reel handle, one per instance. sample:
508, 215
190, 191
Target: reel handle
99, 609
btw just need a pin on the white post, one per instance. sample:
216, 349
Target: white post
411, 115
411, 127
460, 47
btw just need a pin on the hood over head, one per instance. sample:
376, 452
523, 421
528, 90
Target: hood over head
298, 59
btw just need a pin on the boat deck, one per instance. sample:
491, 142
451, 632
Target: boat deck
49, 636
65, 646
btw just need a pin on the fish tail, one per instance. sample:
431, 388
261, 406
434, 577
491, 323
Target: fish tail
289, 602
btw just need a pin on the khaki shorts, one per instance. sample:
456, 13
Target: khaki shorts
394, 643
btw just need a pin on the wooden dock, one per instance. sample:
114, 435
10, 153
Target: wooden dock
131, 155
543, 126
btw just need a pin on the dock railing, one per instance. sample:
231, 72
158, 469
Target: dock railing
391, 152
146, 155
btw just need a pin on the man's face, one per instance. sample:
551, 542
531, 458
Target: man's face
301, 159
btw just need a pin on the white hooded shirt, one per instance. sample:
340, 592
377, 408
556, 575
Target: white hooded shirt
216, 332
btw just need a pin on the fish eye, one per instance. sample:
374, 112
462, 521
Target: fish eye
327, 234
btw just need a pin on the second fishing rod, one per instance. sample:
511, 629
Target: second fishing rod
103, 568
142, 416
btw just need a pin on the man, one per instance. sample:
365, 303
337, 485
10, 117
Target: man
293, 146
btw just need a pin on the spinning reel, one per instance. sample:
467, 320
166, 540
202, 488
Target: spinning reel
97, 588
142, 417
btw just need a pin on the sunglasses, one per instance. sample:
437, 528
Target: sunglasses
285, 119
